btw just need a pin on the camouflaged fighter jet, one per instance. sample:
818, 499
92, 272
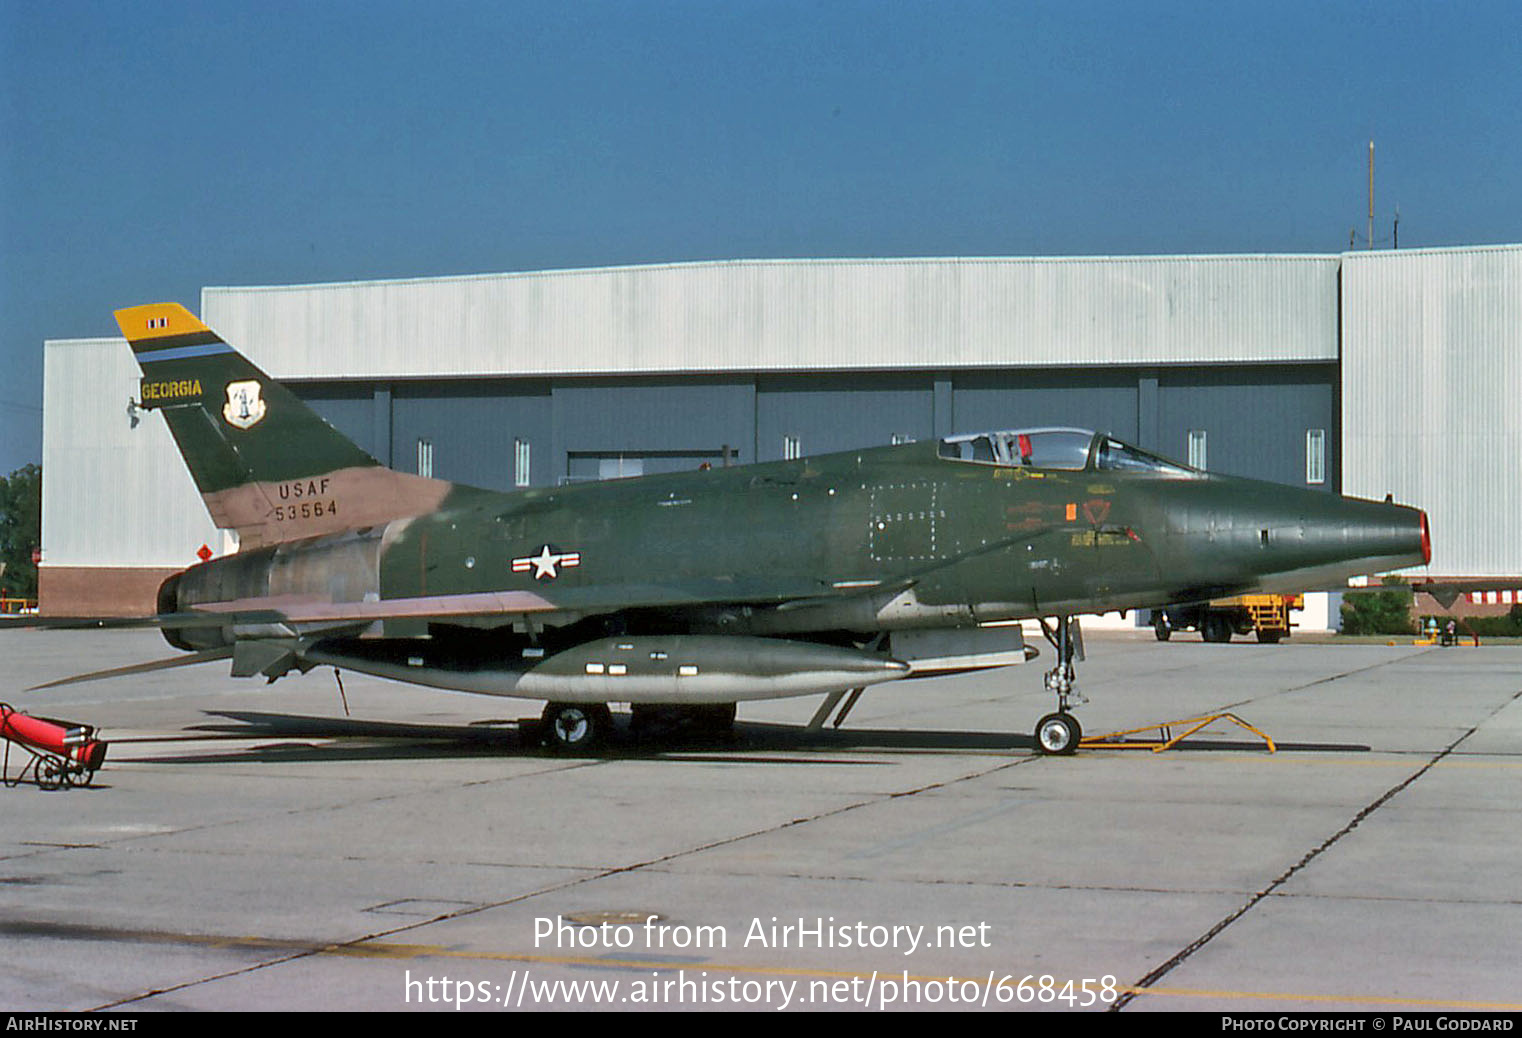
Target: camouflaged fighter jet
685, 593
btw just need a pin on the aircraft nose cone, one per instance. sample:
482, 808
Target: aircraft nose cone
1372, 534
1284, 538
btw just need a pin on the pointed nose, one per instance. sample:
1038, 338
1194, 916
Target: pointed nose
1375, 534
1290, 539
1352, 536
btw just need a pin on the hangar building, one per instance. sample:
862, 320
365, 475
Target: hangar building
1366, 373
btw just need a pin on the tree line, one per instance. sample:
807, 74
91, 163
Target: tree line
20, 530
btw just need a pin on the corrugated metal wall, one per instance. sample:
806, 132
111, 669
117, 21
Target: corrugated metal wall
1255, 418
471, 426
795, 315
1432, 396
112, 495
825, 413
1103, 400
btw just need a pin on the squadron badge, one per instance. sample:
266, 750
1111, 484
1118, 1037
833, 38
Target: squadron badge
244, 408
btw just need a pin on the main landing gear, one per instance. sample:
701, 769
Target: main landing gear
1059, 733
577, 727
701, 720
573, 727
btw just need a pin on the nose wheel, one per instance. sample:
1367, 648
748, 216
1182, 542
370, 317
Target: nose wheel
1058, 734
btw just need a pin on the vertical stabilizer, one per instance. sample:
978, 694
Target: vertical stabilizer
266, 464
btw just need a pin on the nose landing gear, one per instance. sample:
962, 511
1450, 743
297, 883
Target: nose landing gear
1059, 733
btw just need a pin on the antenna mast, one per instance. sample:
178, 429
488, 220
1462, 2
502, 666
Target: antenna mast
1371, 193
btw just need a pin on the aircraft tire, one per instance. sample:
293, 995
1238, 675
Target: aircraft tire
1161, 629
1058, 735
711, 718
643, 717
716, 717
573, 727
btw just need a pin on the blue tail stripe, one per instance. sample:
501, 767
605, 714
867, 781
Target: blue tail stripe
184, 352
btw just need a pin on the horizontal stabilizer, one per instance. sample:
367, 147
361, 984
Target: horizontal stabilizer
141, 668
1448, 592
160, 621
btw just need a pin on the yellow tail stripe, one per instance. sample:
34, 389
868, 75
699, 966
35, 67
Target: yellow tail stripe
157, 321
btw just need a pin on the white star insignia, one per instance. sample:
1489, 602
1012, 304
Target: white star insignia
545, 562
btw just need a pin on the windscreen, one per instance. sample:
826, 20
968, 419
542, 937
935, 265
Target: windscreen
1115, 456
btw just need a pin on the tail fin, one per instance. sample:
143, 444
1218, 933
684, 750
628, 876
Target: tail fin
266, 465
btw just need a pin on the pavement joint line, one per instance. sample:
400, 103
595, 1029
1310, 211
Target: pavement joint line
992, 884
1398, 899
1327, 680
1111, 888
1145, 983
110, 842
348, 947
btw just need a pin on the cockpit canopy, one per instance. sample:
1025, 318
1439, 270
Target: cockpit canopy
1071, 449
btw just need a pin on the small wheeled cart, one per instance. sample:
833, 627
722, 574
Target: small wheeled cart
61, 753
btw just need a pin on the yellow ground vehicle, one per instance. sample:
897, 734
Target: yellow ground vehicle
1219, 619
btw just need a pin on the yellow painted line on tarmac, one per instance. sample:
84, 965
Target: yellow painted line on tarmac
386, 950
1365, 1000
408, 951
404, 952
1296, 758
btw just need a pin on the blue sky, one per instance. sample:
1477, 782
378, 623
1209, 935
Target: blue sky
148, 149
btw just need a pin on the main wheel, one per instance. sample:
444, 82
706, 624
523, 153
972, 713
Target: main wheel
1058, 734
1160, 627
714, 717
570, 727
657, 718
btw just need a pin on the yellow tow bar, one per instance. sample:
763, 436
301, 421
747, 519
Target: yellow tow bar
1165, 740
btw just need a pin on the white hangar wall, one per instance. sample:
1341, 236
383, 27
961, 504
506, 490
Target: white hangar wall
1432, 396
795, 315
119, 509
